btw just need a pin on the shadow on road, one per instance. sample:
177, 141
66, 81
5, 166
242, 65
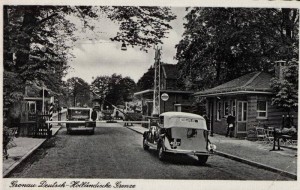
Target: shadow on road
179, 159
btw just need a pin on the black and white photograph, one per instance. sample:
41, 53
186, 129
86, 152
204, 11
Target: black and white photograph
149, 96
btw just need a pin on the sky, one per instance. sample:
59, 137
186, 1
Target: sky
95, 55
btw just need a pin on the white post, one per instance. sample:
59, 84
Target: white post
43, 106
51, 111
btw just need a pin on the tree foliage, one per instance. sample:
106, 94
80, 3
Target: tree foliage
37, 39
147, 80
141, 26
286, 90
78, 91
220, 44
113, 89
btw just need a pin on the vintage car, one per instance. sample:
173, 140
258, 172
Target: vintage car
82, 120
179, 133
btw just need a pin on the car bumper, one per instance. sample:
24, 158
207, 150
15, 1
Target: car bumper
189, 152
81, 128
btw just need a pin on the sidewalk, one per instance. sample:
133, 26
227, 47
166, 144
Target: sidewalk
251, 152
25, 146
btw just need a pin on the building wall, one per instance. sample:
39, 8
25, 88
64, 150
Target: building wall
175, 99
274, 115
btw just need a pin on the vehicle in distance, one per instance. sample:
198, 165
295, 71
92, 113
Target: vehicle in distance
82, 120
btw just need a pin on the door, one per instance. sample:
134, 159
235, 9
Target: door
242, 116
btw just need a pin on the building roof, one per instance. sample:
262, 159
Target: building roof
255, 82
170, 71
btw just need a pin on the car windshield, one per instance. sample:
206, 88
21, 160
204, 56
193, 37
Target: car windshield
84, 114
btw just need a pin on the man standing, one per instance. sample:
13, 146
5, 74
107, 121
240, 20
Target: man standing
94, 115
230, 125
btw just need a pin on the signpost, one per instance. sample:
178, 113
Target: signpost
164, 97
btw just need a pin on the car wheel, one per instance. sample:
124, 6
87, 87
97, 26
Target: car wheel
92, 132
202, 159
161, 153
145, 146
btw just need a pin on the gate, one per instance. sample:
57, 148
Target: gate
39, 128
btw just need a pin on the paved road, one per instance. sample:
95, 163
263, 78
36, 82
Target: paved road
116, 152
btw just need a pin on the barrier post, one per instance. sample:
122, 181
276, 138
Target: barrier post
50, 116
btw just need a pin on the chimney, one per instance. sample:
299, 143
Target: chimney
279, 68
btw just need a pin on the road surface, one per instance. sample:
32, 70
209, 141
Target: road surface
116, 152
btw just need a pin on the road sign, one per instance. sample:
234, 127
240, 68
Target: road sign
165, 97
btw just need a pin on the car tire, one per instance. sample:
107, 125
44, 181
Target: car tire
202, 159
145, 146
161, 153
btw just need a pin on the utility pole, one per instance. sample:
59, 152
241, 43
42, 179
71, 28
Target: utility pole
156, 92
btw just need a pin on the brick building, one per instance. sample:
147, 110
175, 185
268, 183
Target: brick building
248, 98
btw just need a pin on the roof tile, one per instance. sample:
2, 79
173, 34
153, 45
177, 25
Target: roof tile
254, 81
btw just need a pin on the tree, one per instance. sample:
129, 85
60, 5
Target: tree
147, 80
128, 88
113, 89
286, 90
79, 90
100, 87
39, 38
141, 26
220, 44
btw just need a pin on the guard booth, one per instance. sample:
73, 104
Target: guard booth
32, 122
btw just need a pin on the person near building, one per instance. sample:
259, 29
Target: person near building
94, 114
206, 121
230, 125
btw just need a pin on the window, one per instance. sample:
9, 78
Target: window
233, 107
261, 109
242, 111
32, 107
226, 108
218, 111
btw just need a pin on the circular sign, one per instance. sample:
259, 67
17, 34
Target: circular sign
165, 97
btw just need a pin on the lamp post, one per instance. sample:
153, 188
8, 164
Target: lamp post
123, 47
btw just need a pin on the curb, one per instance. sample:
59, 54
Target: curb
249, 162
15, 165
288, 147
256, 164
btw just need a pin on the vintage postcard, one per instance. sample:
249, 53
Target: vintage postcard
149, 95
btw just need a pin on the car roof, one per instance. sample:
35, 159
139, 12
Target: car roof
181, 114
174, 120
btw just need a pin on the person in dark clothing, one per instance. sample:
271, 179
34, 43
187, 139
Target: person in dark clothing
117, 114
206, 121
94, 115
230, 125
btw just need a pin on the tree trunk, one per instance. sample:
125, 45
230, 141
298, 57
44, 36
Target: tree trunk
288, 27
24, 40
7, 56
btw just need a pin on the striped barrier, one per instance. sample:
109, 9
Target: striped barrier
51, 111
112, 121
